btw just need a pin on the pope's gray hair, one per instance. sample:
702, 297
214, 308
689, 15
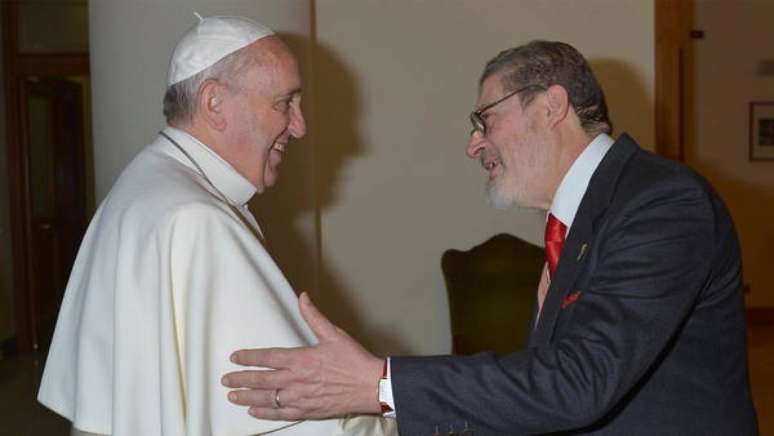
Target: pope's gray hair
180, 98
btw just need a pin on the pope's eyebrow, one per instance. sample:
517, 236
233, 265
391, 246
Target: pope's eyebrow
291, 93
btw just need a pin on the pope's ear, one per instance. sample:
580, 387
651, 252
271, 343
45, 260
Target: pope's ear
558, 103
209, 104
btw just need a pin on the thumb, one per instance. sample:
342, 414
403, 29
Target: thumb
320, 325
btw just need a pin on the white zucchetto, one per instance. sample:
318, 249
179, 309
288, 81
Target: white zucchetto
209, 41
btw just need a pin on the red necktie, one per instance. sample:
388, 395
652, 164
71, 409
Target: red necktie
555, 232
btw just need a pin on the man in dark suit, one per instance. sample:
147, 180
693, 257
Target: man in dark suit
639, 320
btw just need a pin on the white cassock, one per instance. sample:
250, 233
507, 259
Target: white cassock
168, 282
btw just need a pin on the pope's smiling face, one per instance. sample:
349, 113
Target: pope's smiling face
264, 112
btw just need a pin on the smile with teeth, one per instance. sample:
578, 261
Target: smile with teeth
280, 147
490, 165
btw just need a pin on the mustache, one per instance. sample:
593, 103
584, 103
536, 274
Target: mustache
489, 155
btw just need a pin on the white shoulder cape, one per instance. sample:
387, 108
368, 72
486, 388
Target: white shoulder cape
167, 283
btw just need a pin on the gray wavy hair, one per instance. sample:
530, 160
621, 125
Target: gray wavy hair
546, 63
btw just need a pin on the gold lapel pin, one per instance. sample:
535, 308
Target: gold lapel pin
583, 250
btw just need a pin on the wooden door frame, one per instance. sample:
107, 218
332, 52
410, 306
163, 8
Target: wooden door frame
673, 24
17, 66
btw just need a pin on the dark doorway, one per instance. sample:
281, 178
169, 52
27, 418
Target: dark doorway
53, 140
47, 112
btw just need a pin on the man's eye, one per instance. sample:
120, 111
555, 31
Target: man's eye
487, 119
282, 105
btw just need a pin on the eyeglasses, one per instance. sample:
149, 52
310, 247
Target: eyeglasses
476, 117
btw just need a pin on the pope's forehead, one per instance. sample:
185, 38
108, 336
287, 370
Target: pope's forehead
274, 66
270, 50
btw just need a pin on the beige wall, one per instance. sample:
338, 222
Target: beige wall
7, 320
394, 82
726, 80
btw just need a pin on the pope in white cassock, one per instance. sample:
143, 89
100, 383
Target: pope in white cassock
172, 276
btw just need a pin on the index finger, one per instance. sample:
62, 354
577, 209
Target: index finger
274, 358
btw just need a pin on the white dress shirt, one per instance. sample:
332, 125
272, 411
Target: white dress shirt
568, 197
574, 184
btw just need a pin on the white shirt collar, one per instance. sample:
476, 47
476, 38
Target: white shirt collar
237, 189
573, 186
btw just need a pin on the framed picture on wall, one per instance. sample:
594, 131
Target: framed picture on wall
762, 130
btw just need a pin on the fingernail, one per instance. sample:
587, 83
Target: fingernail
224, 381
234, 358
251, 411
232, 396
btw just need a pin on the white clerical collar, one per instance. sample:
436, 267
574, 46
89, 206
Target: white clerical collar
237, 189
573, 186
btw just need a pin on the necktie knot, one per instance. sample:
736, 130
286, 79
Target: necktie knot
554, 238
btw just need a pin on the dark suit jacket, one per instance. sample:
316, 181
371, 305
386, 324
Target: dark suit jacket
642, 330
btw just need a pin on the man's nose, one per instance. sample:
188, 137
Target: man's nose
476, 143
297, 126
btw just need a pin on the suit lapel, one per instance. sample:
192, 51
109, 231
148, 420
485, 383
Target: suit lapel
575, 249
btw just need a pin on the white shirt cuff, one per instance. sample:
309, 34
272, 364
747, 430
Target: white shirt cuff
385, 392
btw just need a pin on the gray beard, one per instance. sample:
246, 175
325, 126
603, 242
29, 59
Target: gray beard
505, 198
496, 197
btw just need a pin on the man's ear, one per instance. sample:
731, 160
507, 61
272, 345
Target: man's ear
558, 104
210, 104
